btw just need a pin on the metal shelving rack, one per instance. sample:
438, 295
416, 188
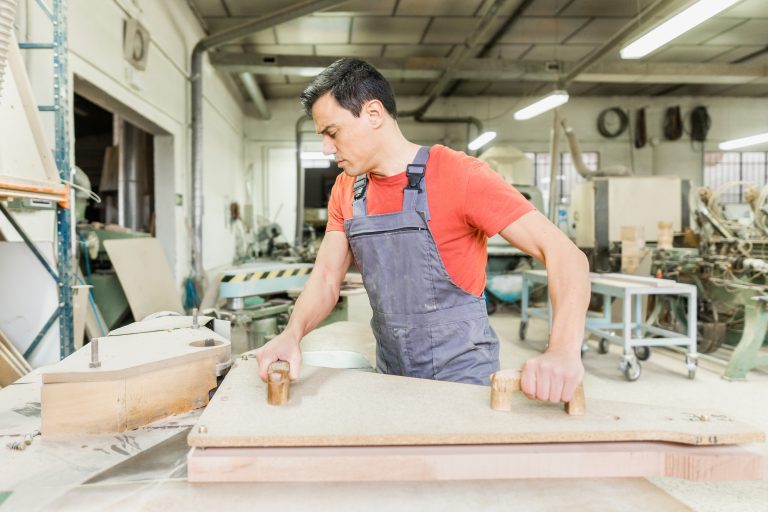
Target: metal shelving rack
64, 275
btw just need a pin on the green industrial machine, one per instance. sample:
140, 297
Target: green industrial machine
730, 271
97, 269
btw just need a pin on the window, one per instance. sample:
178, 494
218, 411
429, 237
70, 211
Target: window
749, 168
568, 175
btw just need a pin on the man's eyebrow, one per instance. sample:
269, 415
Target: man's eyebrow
321, 132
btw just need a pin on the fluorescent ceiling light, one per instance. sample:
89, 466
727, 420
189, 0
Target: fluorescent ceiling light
744, 142
482, 139
552, 100
315, 155
674, 27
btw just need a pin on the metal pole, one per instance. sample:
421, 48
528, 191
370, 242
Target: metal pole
63, 215
554, 168
196, 78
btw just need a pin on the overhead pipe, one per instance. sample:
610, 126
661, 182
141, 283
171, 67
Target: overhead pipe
196, 67
257, 97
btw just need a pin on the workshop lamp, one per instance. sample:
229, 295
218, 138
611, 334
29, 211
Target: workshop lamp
743, 142
481, 140
548, 102
674, 27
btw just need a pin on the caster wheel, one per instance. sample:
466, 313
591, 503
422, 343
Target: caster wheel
584, 349
642, 353
632, 371
691, 373
523, 329
602, 346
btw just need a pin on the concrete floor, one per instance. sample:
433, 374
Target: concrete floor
663, 382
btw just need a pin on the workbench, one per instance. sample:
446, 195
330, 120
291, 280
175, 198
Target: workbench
145, 469
636, 335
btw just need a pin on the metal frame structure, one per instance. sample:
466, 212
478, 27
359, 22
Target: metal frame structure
635, 333
64, 274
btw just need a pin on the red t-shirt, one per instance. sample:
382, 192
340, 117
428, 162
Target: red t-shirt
467, 200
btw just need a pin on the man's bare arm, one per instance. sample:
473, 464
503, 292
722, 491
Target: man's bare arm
555, 375
316, 301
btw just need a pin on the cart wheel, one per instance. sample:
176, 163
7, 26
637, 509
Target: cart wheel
602, 346
691, 373
584, 348
642, 353
632, 371
490, 306
523, 329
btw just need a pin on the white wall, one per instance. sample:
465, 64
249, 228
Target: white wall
731, 117
157, 100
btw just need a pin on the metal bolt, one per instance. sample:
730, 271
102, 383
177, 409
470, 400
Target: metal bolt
194, 318
95, 363
202, 429
17, 445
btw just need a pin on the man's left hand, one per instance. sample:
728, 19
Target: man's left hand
552, 376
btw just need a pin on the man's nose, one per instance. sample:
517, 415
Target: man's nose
329, 148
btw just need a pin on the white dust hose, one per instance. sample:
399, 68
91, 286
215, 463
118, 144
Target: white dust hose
7, 16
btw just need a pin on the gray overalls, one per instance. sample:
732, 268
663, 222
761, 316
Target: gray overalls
425, 325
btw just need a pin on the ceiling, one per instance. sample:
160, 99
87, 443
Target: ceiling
725, 56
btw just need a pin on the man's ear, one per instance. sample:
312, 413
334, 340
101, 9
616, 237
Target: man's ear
375, 113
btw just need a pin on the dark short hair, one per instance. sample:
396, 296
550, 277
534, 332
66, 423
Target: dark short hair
352, 82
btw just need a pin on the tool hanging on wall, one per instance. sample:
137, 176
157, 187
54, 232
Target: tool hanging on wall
608, 118
673, 123
641, 134
700, 124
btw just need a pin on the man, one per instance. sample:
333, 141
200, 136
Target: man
416, 221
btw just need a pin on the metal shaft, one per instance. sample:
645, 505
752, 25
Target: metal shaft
95, 363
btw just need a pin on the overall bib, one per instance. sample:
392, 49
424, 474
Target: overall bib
425, 324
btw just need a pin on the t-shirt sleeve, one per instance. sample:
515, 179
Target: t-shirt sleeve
491, 204
335, 215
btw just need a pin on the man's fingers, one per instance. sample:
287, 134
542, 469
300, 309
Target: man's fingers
569, 388
528, 382
555, 389
543, 384
295, 363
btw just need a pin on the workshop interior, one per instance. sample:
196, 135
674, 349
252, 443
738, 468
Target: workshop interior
164, 197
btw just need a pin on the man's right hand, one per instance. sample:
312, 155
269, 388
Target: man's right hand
283, 347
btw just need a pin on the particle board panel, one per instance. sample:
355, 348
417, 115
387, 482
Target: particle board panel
145, 276
474, 462
330, 407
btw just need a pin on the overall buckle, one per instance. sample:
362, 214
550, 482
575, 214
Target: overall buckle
414, 179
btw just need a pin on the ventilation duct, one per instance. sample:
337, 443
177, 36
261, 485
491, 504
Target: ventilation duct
7, 16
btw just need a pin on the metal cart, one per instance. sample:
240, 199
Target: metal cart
634, 334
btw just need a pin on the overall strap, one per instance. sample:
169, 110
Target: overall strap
414, 194
359, 204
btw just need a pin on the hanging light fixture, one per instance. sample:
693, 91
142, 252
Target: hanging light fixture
674, 27
481, 140
743, 142
545, 104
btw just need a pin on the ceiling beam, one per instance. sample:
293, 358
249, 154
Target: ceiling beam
432, 68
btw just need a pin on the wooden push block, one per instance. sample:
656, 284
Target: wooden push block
278, 382
506, 382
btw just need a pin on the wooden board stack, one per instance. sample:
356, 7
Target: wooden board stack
346, 425
142, 378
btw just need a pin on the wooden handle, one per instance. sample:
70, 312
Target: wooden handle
505, 382
278, 382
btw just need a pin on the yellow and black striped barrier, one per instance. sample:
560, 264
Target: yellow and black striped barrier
265, 274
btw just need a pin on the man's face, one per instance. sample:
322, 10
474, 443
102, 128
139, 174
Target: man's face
345, 136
